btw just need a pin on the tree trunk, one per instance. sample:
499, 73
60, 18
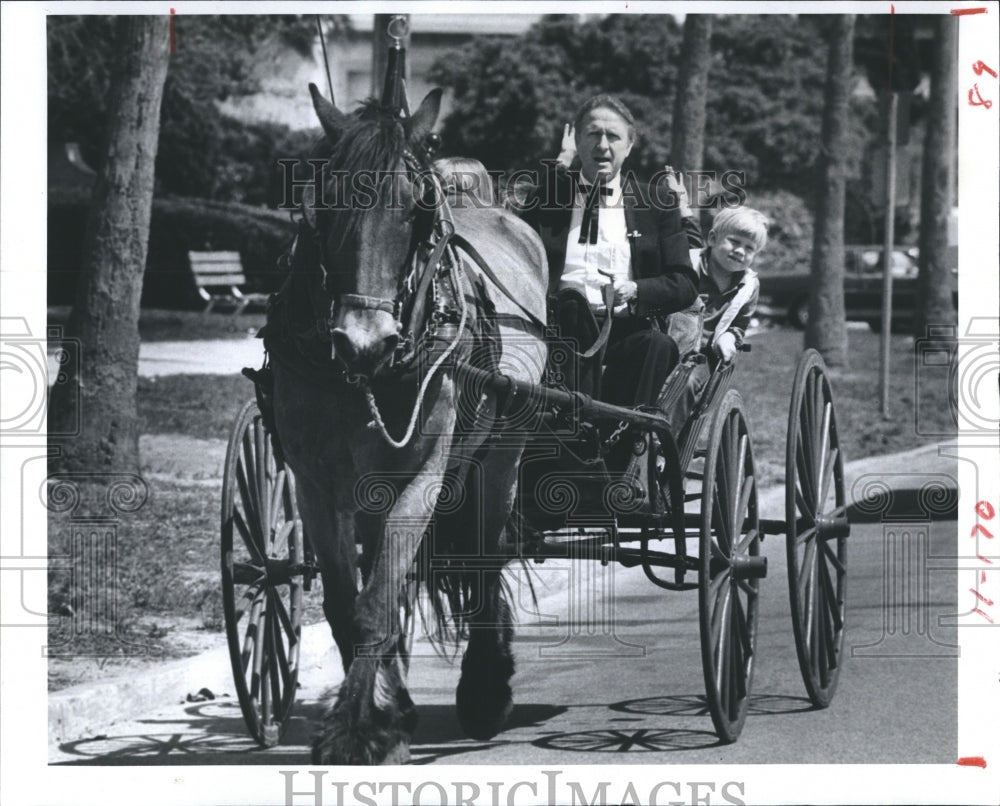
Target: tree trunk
687, 142
105, 315
827, 328
934, 281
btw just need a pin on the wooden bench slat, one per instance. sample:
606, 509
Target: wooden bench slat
210, 257
217, 268
219, 279
222, 272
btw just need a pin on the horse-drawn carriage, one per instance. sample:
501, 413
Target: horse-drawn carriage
411, 300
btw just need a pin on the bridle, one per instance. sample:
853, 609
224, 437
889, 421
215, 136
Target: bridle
431, 263
428, 295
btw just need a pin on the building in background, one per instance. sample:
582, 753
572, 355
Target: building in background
285, 75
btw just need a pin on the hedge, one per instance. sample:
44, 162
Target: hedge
179, 225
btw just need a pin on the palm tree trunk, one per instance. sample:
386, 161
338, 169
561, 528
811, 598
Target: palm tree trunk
827, 328
687, 146
934, 281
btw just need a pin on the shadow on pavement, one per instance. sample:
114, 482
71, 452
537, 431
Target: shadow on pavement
697, 705
214, 733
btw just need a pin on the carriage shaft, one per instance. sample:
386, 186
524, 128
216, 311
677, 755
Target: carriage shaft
583, 405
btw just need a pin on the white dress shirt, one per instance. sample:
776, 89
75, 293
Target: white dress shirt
611, 254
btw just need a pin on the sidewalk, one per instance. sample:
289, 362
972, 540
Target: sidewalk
81, 710
206, 357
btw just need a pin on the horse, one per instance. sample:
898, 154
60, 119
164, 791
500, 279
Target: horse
388, 447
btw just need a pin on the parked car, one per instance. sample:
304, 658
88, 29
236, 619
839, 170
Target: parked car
786, 296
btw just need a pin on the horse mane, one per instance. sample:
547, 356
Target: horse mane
373, 139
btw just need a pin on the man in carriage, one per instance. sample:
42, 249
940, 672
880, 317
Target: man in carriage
618, 261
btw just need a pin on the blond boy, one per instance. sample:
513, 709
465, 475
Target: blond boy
715, 325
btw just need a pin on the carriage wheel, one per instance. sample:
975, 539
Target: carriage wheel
730, 566
817, 529
262, 556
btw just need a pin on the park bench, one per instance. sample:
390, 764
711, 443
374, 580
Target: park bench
218, 277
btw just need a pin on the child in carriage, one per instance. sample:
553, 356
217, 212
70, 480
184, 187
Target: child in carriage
713, 328
466, 181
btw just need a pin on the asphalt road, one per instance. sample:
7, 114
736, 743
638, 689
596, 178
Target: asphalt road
610, 674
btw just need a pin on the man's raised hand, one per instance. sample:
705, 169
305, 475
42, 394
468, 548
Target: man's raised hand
675, 184
567, 149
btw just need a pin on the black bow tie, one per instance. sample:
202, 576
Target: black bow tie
588, 227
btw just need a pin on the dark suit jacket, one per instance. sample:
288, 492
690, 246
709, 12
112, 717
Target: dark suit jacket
661, 263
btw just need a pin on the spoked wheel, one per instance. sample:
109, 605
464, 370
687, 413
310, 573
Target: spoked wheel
730, 566
816, 528
262, 561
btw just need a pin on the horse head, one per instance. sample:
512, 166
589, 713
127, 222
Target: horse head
371, 222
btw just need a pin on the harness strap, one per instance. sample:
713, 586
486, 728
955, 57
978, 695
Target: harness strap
368, 303
470, 250
419, 298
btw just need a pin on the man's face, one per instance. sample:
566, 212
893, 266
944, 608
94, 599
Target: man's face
602, 143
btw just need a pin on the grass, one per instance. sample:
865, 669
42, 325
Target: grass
201, 406
157, 597
919, 412
164, 325
128, 603
165, 584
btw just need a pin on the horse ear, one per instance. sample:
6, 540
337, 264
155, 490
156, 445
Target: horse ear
330, 118
423, 120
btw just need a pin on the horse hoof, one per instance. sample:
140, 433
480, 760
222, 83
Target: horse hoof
482, 711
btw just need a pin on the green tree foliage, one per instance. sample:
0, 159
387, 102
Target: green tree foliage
512, 97
202, 152
790, 231
766, 99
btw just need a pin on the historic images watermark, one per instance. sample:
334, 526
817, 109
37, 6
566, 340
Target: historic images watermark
324, 188
313, 788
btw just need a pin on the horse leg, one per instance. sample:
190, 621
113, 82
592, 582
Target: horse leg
333, 541
483, 698
373, 716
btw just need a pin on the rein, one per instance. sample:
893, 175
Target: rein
377, 421
409, 305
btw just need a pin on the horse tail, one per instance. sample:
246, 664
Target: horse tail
451, 592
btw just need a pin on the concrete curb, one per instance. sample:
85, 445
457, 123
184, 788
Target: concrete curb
902, 470
81, 710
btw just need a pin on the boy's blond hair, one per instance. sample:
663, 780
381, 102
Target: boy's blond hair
743, 221
464, 175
